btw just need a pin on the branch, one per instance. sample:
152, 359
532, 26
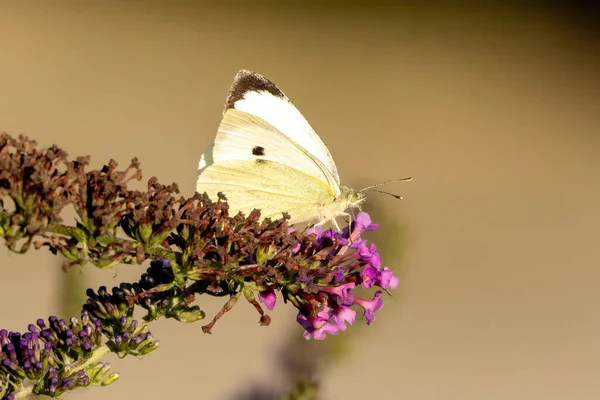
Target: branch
195, 248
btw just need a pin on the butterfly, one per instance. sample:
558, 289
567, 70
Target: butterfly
266, 156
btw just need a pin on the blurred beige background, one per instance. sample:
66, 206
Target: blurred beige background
494, 112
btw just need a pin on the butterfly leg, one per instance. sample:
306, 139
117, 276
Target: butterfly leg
326, 220
342, 214
323, 222
337, 227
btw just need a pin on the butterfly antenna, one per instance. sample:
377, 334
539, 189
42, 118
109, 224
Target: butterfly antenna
368, 188
391, 194
372, 187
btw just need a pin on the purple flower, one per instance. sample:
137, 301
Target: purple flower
343, 292
370, 306
386, 279
338, 275
268, 298
368, 254
359, 245
369, 276
163, 262
343, 315
328, 234
342, 237
363, 223
317, 327
322, 331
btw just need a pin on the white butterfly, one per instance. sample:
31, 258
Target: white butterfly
267, 156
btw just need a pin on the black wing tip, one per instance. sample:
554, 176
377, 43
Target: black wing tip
247, 81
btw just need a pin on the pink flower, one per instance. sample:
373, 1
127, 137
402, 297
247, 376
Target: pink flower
363, 223
386, 279
318, 327
370, 306
342, 292
268, 298
343, 315
369, 276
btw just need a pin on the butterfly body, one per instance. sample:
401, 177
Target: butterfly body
267, 156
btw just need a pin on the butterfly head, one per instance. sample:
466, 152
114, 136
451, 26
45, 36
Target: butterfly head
351, 198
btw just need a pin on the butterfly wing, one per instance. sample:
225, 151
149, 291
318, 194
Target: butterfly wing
267, 156
254, 94
256, 166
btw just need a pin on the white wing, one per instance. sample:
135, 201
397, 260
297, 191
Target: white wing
256, 166
267, 156
256, 95
271, 187
245, 137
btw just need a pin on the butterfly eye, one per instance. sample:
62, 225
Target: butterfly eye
258, 151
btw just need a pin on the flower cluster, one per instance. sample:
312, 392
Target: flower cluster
328, 310
196, 248
115, 309
58, 357
316, 274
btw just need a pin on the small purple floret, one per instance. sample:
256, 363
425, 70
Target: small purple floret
363, 223
338, 275
386, 279
342, 292
368, 275
268, 298
343, 315
318, 327
370, 306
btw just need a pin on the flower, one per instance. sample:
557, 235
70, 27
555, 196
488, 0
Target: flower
324, 293
268, 298
368, 254
363, 223
342, 315
386, 279
202, 249
370, 306
369, 276
338, 275
45, 354
342, 292
195, 247
317, 327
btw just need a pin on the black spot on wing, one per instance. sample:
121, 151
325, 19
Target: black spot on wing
247, 81
258, 151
